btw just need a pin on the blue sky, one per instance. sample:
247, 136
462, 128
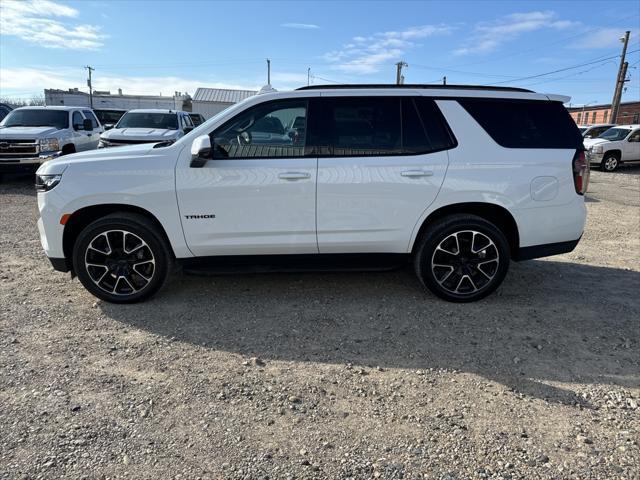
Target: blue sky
163, 46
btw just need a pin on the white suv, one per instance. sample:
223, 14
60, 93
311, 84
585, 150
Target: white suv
30, 136
147, 126
457, 179
617, 145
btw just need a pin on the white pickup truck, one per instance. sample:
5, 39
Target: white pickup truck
29, 136
619, 144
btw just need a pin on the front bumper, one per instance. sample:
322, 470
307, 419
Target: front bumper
26, 165
594, 158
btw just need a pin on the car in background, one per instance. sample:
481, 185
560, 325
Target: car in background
617, 145
197, 119
4, 110
109, 116
29, 136
594, 131
147, 126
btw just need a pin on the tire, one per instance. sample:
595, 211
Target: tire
471, 276
610, 162
137, 266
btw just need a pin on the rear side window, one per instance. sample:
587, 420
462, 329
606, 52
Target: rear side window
525, 123
376, 126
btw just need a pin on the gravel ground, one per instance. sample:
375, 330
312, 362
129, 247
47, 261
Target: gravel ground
354, 375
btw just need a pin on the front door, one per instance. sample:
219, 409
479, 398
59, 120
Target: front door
382, 164
633, 145
257, 194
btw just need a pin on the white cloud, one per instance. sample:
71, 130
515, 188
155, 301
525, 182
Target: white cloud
489, 36
364, 55
46, 23
300, 26
37, 79
601, 38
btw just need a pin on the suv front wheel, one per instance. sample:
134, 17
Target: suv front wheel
462, 258
121, 258
610, 162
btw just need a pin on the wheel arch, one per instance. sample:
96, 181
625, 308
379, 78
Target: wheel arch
617, 152
84, 216
68, 148
496, 214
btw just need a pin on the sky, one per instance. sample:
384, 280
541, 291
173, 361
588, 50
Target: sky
159, 47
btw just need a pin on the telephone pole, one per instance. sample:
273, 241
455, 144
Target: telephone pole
622, 74
268, 71
308, 76
90, 69
399, 77
444, 80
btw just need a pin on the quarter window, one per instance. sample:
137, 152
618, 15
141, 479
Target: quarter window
270, 130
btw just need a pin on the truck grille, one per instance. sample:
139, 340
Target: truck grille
18, 148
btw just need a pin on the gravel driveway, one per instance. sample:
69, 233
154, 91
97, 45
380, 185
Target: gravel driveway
350, 375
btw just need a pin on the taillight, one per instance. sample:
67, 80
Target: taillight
580, 172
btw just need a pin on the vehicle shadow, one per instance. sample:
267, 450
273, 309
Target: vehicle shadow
552, 322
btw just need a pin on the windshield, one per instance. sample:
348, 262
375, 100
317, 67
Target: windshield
614, 134
149, 120
582, 129
37, 118
109, 116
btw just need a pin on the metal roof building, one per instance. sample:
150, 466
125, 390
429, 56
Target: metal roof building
209, 101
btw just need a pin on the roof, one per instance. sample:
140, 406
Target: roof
54, 107
414, 86
221, 95
154, 110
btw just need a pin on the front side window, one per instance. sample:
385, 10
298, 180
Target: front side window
163, 121
77, 121
89, 114
635, 136
271, 130
37, 118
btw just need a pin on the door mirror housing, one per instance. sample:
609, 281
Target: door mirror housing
200, 151
87, 126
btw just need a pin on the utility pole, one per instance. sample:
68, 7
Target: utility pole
308, 76
268, 72
90, 69
399, 78
622, 74
444, 80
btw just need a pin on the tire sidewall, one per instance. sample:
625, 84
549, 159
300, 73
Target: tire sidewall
147, 234
604, 162
442, 230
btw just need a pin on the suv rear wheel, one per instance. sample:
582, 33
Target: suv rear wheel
463, 258
121, 258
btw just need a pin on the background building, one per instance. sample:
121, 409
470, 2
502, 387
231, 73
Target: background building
209, 101
628, 113
75, 98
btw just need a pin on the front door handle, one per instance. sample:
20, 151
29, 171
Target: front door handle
416, 173
294, 175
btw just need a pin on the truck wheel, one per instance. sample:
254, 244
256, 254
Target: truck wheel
609, 163
463, 258
121, 258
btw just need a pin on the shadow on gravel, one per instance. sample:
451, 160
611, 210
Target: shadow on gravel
10, 182
550, 322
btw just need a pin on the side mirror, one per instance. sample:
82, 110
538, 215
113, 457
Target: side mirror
87, 125
200, 151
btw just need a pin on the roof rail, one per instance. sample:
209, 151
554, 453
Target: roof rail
417, 85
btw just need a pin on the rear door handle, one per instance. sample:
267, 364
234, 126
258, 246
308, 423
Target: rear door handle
416, 173
294, 175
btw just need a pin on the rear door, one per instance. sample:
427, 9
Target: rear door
257, 194
382, 162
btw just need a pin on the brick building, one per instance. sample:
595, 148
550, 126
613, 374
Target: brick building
628, 113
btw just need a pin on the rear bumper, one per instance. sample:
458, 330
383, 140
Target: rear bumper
546, 250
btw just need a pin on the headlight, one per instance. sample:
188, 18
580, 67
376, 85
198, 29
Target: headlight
44, 183
49, 145
598, 149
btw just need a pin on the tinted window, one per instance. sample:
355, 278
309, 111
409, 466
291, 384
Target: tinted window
196, 118
77, 120
438, 133
89, 114
149, 120
37, 118
109, 116
525, 123
414, 137
270, 130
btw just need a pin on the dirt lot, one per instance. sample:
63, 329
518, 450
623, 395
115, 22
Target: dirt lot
327, 376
